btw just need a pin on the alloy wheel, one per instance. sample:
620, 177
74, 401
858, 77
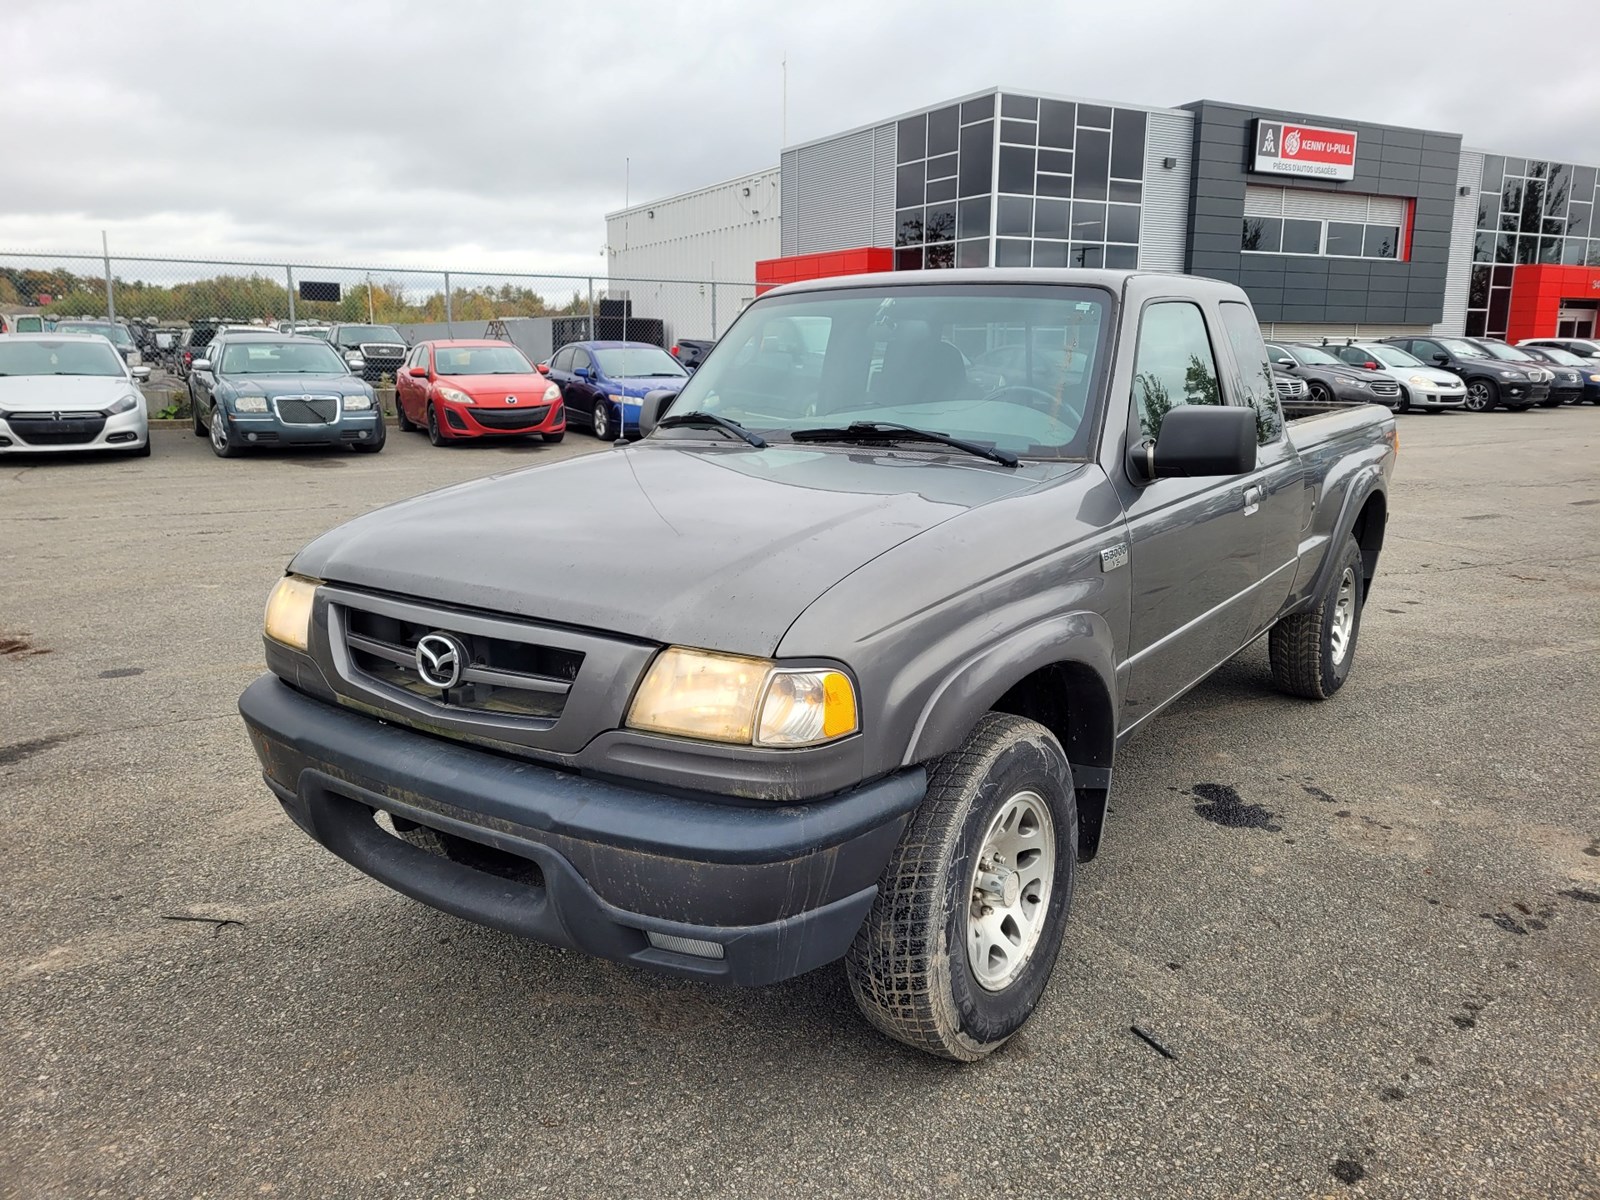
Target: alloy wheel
1010, 890
1344, 616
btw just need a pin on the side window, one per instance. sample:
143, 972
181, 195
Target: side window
563, 359
423, 356
1174, 364
1250, 352
1425, 350
581, 359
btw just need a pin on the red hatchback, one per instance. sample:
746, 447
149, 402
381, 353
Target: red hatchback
472, 389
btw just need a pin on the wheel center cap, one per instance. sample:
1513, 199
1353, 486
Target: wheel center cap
1002, 886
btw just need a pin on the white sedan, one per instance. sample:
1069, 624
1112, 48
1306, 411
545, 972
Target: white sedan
1421, 386
68, 392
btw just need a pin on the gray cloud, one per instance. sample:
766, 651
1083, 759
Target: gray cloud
494, 135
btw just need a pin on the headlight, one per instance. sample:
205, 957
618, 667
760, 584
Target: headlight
289, 610
749, 701
616, 399
126, 404
250, 404
1358, 383
1594, 379
1421, 381
455, 396
357, 403
552, 394
1515, 377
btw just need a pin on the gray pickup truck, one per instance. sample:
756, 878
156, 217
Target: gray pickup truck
835, 662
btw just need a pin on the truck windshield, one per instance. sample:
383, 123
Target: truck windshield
1011, 367
354, 335
58, 358
480, 360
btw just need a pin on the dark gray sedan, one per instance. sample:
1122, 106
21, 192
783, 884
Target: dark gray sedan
265, 389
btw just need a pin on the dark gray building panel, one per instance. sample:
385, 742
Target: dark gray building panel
1414, 165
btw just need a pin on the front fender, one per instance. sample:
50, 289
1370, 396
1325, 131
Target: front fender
973, 686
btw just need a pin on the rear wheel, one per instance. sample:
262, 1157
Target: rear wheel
1312, 652
602, 421
1482, 395
194, 411
970, 911
406, 423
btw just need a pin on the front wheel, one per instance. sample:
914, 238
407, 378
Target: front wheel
221, 444
1482, 395
1312, 652
434, 436
970, 911
602, 421
1320, 394
555, 438
1403, 405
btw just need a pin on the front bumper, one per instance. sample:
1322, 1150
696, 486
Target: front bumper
1423, 398
265, 429
124, 431
474, 421
780, 888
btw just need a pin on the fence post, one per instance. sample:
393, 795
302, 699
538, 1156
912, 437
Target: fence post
591, 308
713, 310
288, 272
111, 298
449, 320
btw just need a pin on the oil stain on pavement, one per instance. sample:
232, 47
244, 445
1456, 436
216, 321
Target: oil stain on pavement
1222, 805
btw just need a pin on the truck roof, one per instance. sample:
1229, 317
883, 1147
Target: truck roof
1075, 276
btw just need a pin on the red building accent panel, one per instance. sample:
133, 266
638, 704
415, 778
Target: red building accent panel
772, 272
1537, 293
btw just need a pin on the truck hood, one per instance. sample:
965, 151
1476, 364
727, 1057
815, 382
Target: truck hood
67, 393
715, 547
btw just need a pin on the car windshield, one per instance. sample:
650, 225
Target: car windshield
261, 357
1313, 357
116, 334
1508, 353
923, 356
480, 360
1565, 357
58, 358
1464, 349
320, 334
354, 335
1393, 356
638, 362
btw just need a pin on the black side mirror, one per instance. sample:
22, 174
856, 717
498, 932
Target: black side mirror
654, 408
1201, 439
1442, 360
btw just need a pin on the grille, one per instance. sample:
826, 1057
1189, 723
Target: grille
1289, 389
57, 428
382, 350
1385, 387
509, 418
504, 677
307, 410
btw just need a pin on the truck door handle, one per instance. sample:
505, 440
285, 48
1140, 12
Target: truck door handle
1252, 500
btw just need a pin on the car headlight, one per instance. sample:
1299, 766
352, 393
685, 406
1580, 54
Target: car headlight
357, 403
250, 404
1358, 383
1515, 377
1594, 379
616, 398
455, 396
125, 404
288, 617
748, 701
552, 394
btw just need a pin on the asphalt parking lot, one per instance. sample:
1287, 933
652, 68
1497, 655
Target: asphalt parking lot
1368, 929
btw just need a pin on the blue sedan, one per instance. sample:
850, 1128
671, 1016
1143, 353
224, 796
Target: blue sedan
604, 383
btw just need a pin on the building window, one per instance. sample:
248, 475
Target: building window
944, 178
1322, 224
1529, 211
1070, 184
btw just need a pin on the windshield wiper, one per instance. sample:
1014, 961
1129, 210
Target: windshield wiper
888, 431
706, 420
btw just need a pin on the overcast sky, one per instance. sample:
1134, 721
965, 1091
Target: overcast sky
494, 135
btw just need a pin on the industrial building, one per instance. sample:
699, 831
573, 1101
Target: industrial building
1335, 227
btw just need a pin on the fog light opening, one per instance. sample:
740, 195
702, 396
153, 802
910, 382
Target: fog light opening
684, 945
249, 437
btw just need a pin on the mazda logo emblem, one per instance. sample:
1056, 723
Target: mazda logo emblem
441, 658
511, 399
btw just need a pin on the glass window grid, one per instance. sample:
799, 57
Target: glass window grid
1529, 211
1373, 235
928, 199
1060, 148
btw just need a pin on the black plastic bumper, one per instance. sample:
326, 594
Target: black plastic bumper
781, 888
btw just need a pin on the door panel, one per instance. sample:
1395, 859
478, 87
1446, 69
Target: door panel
1195, 550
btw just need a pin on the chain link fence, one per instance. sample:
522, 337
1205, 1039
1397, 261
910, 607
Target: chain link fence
170, 307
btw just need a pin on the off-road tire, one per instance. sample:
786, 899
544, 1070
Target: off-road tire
1301, 646
908, 968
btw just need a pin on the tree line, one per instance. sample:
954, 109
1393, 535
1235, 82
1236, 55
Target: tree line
248, 297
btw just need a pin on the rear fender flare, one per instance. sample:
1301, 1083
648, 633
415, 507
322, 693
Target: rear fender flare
1366, 481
